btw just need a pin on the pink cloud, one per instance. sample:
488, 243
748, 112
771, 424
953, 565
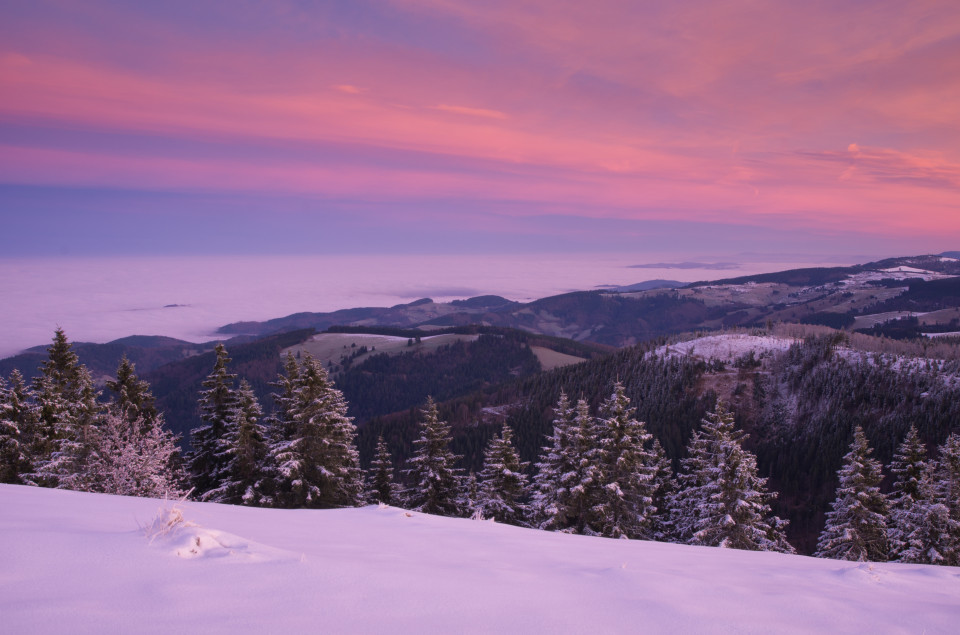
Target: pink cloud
606, 109
473, 112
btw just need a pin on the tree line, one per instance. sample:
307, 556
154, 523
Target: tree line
601, 472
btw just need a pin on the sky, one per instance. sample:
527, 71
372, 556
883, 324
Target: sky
447, 126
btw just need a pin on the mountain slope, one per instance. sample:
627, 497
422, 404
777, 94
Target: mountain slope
634, 313
79, 560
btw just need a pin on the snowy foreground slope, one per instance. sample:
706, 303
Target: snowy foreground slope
72, 562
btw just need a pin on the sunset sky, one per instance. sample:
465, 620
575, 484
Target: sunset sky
446, 126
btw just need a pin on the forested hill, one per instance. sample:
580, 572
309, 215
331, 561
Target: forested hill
800, 407
374, 383
147, 352
860, 296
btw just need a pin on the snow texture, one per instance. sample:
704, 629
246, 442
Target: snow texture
80, 562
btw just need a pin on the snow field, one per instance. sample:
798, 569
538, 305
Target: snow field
727, 347
81, 562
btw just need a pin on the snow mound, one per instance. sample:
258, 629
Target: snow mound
171, 531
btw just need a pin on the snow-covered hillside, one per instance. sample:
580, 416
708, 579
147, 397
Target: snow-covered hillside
80, 563
727, 347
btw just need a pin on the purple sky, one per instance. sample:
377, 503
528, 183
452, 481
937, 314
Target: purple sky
441, 126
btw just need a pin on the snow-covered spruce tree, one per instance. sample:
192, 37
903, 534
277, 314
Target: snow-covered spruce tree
435, 482
65, 441
280, 424
503, 483
279, 430
664, 491
382, 488
242, 452
907, 501
557, 459
578, 494
932, 533
131, 395
469, 497
17, 421
856, 528
945, 491
723, 502
685, 510
206, 461
135, 457
625, 508
318, 464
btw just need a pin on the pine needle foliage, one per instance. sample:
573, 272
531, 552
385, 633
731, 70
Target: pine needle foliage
65, 441
503, 482
206, 462
626, 487
435, 482
723, 501
242, 451
556, 460
856, 528
383, 489
18, 421
314, 460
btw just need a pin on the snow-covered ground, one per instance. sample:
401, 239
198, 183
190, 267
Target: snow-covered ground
894, 273
727, 347
80, 563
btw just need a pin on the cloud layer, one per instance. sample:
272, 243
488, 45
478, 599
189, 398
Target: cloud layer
816, 120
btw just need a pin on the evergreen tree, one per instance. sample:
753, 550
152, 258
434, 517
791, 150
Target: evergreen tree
280, 424
503, 484
279, 430
242, 452
945, 493
17, 422
856, 528
318, 465
724, 503
383, 489
557, 460
436, 484
907, 502
926, 532
132, 397
685, 508
206, 462
578, 494
66, 438
11, 448
470, 497
664, 491
626, 470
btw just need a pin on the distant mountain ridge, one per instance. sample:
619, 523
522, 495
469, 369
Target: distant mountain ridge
625, 315
616, 316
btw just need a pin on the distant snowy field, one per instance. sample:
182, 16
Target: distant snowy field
79, 563
102, 299
727, 347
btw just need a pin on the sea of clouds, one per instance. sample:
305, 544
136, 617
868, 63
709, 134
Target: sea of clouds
102, 299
